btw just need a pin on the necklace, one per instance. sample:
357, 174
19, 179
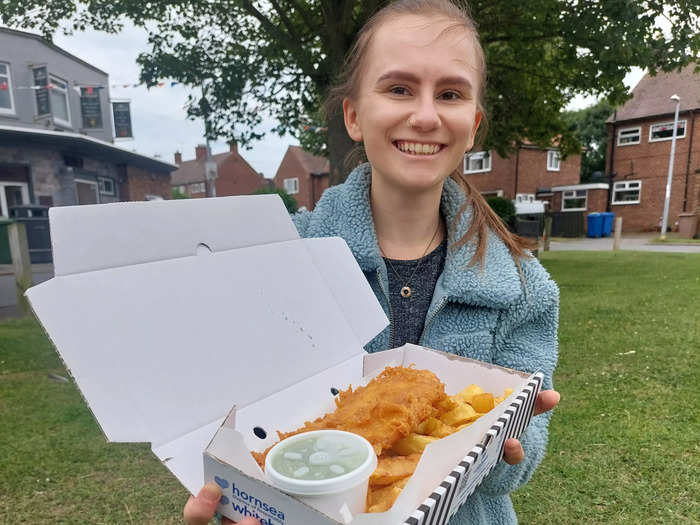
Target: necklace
406, 289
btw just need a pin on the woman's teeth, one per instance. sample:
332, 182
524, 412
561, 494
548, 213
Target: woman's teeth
418, 148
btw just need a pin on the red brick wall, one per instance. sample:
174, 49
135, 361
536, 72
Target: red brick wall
648, 162
290, 168
139, 182
236, 177
532, 173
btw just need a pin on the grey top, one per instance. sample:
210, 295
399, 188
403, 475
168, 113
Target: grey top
408, 313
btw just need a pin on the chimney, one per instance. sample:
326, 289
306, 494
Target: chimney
200, 152
178, 158
233, 146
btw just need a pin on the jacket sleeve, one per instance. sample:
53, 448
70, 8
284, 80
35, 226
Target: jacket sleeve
527, 340
301, 220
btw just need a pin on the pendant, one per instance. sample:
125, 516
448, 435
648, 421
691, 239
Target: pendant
406, 292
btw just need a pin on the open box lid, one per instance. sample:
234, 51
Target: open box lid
164, 338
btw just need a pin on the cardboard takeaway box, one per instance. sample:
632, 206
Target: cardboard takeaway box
169, 313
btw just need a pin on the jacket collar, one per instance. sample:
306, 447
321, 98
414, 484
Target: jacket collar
495, 284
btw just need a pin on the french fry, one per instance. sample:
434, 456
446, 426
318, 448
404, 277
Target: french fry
381, 499
460, 415
434, 427
466, 395
412, 444
393, 468
483, 402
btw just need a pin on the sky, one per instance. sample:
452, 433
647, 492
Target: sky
159, 119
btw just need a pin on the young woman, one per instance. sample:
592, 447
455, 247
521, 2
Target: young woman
446, 271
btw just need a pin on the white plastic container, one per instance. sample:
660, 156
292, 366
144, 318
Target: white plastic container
343, 493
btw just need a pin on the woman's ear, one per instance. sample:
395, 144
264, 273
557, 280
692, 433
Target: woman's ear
351, 123
477, 123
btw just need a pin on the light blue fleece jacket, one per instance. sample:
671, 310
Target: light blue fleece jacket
487, 313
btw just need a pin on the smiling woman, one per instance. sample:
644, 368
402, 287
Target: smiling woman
412, 95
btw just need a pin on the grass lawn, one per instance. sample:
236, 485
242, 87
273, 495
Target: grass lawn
624, 441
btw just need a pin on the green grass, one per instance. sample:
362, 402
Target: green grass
624, 440
623, 446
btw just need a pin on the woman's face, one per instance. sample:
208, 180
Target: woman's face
416, 105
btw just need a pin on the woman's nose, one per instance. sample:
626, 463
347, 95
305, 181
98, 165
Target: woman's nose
425, 116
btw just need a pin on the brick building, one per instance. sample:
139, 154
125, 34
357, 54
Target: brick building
528, 171
303, 175
234, 175
639, 147
56, 132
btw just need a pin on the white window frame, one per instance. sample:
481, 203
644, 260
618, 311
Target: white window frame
492, 193
478, 155
101, 181
620, 131
52, 80
552, 156
684, 123
4, 210
197, 187
565, 197
625, 186
11, 109
291, 185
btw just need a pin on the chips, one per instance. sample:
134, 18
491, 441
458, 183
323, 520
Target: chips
396, 466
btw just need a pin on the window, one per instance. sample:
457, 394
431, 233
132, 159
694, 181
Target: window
574, 200
478, 162
627, 192
106, 186
59, 101
492, 193
197, 187
291, 186
664, 131
628, 136
7, 106
553, 160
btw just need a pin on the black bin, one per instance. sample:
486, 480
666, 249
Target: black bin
36, 221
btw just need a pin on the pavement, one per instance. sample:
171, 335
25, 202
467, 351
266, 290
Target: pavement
631, 241
8, 295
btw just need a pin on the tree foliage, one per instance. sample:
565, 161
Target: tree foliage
588, 126
279, 57
289, 202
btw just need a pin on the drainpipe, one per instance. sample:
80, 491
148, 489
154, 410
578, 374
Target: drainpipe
687, 165
608, 207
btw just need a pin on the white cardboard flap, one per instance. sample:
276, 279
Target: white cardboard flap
343, 276
163, 348
98, 236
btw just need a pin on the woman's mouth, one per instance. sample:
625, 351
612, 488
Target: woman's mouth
417, 148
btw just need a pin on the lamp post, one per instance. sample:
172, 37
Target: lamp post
667, 200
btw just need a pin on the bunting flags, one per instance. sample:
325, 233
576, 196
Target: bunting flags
315, 129
3, 86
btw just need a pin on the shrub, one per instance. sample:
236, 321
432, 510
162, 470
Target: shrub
289, 201
503, 207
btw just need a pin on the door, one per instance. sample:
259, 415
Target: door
87, 191
12, 194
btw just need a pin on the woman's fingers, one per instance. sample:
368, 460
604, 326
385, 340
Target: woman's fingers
200, 509
546, 401
513, 451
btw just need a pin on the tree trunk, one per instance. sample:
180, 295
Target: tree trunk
339, 146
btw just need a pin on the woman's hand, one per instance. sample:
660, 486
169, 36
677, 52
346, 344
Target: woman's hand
200, 509
512, 449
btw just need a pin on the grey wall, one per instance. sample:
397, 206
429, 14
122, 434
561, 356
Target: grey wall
21, 52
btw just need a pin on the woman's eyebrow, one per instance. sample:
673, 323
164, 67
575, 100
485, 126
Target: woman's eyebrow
410, 77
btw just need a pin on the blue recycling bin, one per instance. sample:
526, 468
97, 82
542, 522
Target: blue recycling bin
608, 219
595, 225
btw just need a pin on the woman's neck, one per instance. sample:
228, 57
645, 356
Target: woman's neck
406, 222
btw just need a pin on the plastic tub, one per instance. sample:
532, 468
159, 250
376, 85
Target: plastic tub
342, 462
608, 220
595, 225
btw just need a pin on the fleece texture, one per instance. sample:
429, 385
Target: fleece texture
488, 312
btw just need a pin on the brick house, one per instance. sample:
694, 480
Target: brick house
56, 132
529, 171
639, 147
234, 175
303, 175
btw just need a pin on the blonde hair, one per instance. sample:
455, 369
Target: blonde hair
347, 86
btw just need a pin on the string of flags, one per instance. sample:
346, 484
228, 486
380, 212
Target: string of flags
89, 88
315, 129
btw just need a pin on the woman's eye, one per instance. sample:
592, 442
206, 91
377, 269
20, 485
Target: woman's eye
398, 90
450, 95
